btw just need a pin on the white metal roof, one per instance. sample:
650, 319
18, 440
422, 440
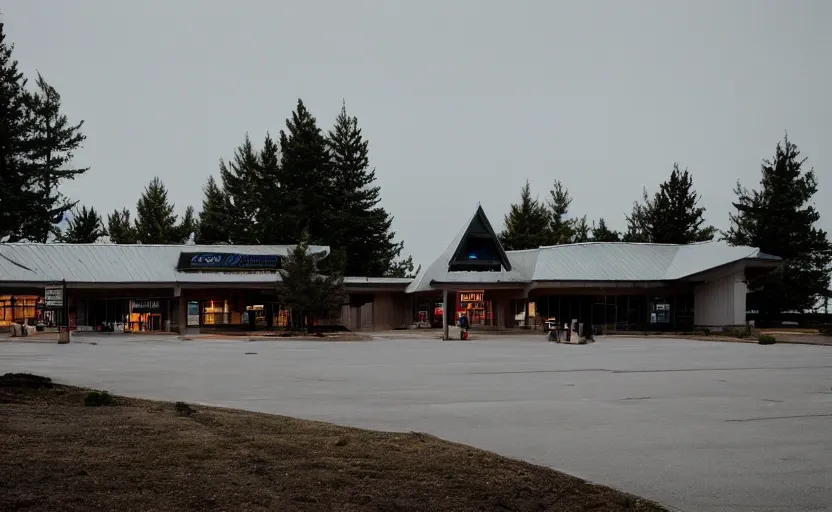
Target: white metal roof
115, 263
592, 261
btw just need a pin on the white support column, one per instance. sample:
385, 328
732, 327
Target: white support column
444, 314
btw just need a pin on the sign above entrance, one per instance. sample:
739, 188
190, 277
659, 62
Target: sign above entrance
54, 297
145, 306
228, 261
471, 296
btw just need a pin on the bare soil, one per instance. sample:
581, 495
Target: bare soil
58, 454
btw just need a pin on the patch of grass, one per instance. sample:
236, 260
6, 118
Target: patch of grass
183, 409
141, 455
25, 380
766, 339
98, 399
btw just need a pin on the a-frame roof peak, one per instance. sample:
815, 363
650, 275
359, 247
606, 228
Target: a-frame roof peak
479, 228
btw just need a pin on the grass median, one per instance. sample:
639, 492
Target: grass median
64, 448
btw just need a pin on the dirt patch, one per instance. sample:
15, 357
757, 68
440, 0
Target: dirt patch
58, 454
341, 336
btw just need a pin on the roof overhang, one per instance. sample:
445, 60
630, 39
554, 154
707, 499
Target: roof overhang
462, 285
597, 284
759, 266
375, 287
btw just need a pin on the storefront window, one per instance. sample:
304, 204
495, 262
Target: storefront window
660, 311
18, 309
281, 315
145, 315
193, 313
259, 312
475, 307
215, 312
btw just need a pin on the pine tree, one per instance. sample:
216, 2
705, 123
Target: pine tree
601, 233
672, 216
241, 179
85, 227
120, 227
360, 228
213, 219
270, 214
581, 231
155, 220
305, 178
527, 223
188, 226
15, 178
305, 289
561, 229
404, 268
780, 219
52, 142
638, 222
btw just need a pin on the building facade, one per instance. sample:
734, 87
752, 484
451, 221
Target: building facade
191, 288
616, 286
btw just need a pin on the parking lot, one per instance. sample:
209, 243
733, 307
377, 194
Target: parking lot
694, 425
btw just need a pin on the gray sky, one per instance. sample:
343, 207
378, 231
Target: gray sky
462, 100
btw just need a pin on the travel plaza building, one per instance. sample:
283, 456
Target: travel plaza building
194, 288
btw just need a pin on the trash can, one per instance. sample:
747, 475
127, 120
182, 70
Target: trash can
63, 335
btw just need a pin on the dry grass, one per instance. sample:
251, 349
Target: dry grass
57, 454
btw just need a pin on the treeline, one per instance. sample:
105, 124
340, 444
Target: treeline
778, 217
672, 216
306, 185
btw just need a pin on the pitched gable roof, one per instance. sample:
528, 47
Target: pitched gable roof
591, 261
479, 228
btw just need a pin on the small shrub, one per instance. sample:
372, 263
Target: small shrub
25, 380
825, 330
184, 409
98, 398
766, 339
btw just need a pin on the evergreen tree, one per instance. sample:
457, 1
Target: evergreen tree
360, 228
241, 179
527, 223
85, 227
638, 222
155, 220
188, 226
270, 214
52, 142
306, 291
601, 233
120, 227
581, 231
672, 216
561, 229
213, 219
15, 178
404, 268
306, 181
780, 219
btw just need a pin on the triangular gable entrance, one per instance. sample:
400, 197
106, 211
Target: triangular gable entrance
479, 249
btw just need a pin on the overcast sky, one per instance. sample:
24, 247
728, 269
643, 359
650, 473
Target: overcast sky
462, 100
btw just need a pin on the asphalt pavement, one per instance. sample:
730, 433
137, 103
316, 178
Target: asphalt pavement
699, 426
